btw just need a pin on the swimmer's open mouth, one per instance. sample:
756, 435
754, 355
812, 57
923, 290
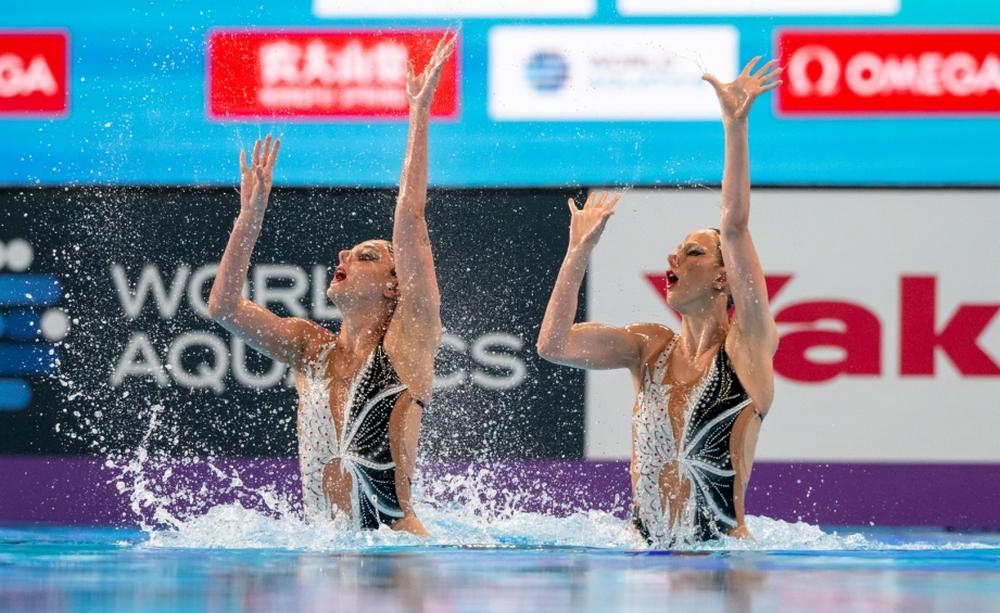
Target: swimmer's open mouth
671, 278
339, 274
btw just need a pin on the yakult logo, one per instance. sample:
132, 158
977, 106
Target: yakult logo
320, 74
33, 73
890, 72
858, 333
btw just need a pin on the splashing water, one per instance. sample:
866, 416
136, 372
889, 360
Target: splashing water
175, 501
694, 58
232, 526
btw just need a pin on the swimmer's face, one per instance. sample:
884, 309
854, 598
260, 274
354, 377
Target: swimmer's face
367, 270
695, 270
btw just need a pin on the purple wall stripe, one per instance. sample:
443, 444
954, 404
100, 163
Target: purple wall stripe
80, 490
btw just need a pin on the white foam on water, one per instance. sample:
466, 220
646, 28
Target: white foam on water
468, 509
478, 522
233, 526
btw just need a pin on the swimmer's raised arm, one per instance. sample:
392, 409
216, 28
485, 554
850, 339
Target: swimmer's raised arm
755, 332
584, 345
419, 308
280, 338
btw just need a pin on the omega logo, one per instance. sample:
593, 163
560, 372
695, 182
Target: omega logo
828, 82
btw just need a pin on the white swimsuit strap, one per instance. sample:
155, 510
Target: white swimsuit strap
316, 368
660, 368
324, 353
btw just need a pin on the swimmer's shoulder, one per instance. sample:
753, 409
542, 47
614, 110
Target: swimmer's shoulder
653, 336
313, 337
650, 331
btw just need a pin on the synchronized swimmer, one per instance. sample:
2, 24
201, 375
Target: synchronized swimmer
701, 391
362, 390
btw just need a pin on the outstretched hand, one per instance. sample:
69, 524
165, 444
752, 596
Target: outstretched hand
257, 178
587, 224
420, 88
737, 97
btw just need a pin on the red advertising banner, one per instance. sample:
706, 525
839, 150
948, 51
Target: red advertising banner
34, 74
889, 72
319, 74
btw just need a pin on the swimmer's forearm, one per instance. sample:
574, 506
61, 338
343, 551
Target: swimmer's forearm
560, 314
413, 180
582, 345
420, 91
229, 279
736, 177
409, 230
747, 283
410, 237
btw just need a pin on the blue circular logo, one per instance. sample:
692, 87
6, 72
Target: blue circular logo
547, 71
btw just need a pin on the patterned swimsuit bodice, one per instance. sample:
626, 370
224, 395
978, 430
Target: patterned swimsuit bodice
361, 445
701, 456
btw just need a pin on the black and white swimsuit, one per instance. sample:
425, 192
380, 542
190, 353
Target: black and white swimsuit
362, 445
702, 455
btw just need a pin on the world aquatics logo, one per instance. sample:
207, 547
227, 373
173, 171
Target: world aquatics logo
30, 324
547, 71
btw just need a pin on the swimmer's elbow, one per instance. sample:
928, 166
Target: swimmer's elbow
215, 310
220, 310
547, 350
436, 334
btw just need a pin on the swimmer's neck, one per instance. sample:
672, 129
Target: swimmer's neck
363, 327
703, 332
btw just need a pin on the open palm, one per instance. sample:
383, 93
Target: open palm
587, 224
737, 97
420, 88
257, 178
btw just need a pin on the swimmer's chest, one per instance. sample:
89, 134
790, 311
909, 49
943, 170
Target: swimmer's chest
342, 369
683, 377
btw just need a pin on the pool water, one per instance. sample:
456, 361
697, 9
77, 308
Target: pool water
284, 567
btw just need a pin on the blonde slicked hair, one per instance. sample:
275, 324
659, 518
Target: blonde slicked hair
729, 296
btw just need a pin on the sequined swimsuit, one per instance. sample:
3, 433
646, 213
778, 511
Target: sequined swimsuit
702, 456
362, 445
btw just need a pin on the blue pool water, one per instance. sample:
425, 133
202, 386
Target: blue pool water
238, 560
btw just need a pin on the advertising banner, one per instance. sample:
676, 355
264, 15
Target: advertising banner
34, 73
106, 343
334, 9
758, 7
623, 73
302, 74
886, 304
871, 72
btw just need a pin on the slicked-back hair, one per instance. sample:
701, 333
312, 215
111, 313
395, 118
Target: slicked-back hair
729, 297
